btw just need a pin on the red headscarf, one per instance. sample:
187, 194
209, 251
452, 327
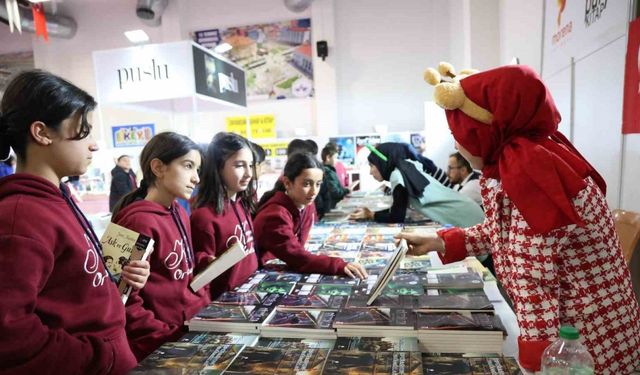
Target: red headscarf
538, 167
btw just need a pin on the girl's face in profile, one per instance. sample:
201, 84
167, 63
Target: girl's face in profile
180, 177
238, 171
373, 171
72, 156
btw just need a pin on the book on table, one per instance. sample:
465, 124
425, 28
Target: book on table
226, 260
120, 246
388, 271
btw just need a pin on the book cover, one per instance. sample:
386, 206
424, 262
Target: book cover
398, 363
277, 287
247, 298
212, 338
227, 313
458, 321
307, 361
256, 360
388, 271
282, 276
445, 365
214, 359
377, 344
323, 289
302, 318
313, 301
343, 362
295, 343
226, 260
467, 280
454, 302
121, 245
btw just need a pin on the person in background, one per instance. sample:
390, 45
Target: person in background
260, 158
8, 166
336, 191
156, 314
285, 217
59, 312
300, 145
323, 198
397, 163
222, 209
464, 178
123, 180
548, 226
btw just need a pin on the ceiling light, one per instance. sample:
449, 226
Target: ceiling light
222, 48
39, 1
137, 36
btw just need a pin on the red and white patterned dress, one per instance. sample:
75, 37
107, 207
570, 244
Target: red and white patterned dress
571, 275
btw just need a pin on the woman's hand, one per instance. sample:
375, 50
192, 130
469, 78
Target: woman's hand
421, 243
136, 273
362, 214
355, 270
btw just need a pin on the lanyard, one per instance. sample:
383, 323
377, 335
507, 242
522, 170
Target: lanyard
86, 226
183, 234
235, 211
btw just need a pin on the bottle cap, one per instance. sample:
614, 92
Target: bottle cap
569, 332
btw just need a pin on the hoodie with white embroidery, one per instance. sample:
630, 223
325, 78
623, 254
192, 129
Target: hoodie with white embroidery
157, 312
59, 311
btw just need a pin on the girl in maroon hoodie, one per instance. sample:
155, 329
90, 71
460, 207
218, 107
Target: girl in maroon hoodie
222, 214
59, 312
156, 314
285, 217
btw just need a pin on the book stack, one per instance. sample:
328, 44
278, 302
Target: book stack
459, 332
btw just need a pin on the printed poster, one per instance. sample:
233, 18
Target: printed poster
136, 135
277, 57
346, 148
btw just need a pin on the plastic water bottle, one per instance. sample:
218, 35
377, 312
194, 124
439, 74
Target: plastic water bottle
567, 356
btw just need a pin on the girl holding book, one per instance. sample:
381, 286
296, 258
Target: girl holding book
59, 309
156, 314
548, 226
222, 209
285, 217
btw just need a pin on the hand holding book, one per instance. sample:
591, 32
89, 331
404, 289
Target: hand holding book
136, 273
421, 243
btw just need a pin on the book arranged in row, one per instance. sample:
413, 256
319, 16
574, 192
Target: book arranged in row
208, 353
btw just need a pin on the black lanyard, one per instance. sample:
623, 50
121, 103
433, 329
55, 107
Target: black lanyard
86, 226
183, 234
246, 216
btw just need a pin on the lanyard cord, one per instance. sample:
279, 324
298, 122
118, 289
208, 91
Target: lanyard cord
86, 226
183, 234
246, 216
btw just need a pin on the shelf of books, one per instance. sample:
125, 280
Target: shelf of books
428, 319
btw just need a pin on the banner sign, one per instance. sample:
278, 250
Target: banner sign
136, 135
262, 126
631, 103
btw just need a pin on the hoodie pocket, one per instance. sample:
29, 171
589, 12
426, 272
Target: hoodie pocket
122, 359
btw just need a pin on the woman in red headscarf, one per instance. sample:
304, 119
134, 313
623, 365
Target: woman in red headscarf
547, 222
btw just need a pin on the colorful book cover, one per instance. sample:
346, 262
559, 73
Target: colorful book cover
282, 276
398, 363
307, 361
323, 289
227, 313
402, 289
212, 338
278, 287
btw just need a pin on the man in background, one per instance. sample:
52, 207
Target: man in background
465, 179
123, 180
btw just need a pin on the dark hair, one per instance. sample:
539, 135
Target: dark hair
300, 145
107, 257
36, 95
296, 163
121, 157
462, 162
212, 189
328, 150
258, 153
166, 147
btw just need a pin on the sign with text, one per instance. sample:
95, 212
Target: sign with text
136, 135
262, 126
217, 78
144, 73
275, 149
577, 28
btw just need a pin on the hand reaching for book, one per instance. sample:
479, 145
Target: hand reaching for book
355, 270
136, 273
421, 243
362, 214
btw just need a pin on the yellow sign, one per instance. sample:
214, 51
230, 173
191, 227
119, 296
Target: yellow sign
275, 149
262, 126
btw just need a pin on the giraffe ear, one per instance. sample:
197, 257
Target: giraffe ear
432, 77
449, 95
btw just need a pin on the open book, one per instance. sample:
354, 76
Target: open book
233, 255
121, 245
388, 271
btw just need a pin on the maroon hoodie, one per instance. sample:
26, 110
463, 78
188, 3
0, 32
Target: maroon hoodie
156, 313
213, 234
281, 232
59, 311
